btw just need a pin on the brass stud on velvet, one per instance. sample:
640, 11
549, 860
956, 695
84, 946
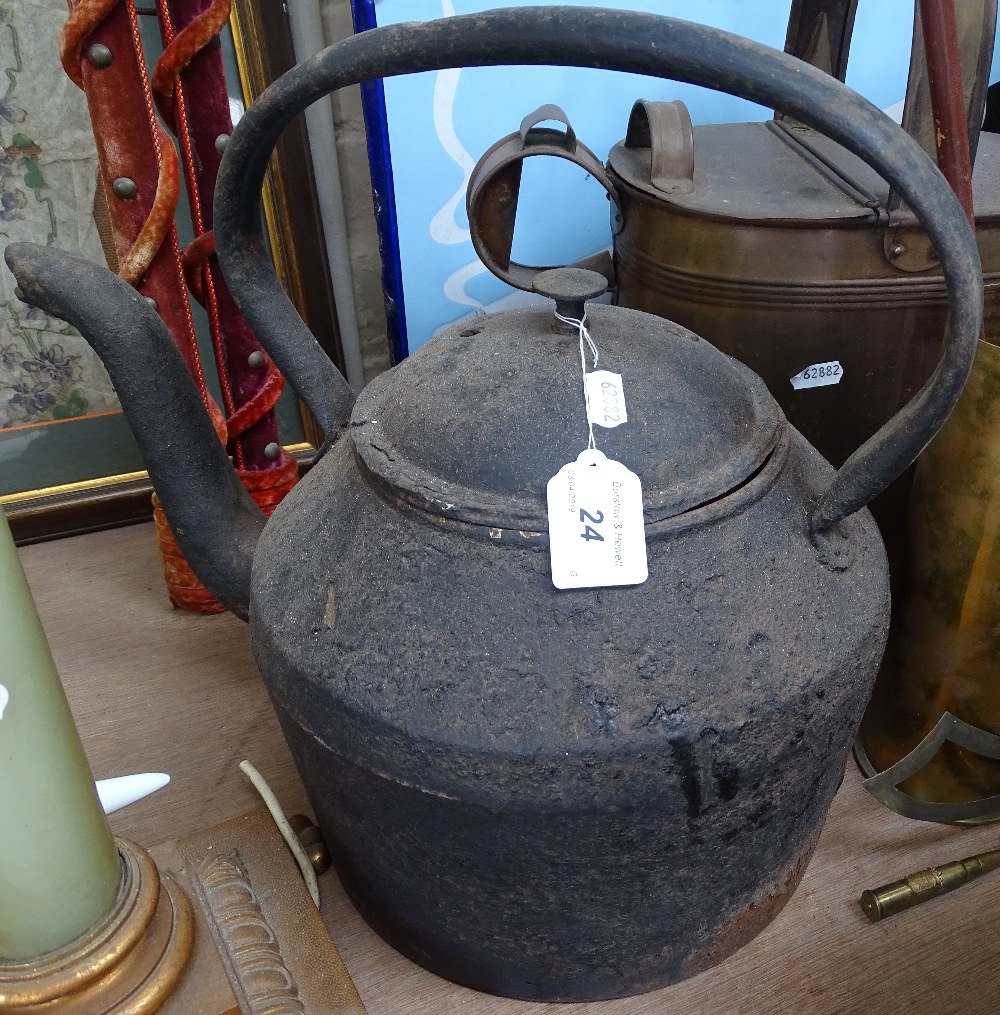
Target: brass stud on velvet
100, 56
124, 188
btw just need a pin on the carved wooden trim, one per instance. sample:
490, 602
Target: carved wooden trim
247, 944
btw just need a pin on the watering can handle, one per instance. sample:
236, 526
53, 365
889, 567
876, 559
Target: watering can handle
632, 42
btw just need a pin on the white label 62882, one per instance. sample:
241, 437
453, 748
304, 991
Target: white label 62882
605, 399
819, 375
597, 536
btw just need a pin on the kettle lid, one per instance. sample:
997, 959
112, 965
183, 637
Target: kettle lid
474, 424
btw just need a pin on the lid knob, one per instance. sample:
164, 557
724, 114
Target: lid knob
570, 288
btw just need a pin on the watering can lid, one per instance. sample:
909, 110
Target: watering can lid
476, 422
773, 179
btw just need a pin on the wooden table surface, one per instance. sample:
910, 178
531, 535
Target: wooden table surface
156, 689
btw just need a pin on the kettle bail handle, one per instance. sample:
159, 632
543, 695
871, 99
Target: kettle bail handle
632, 42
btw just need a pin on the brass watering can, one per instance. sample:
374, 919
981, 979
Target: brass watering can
555, 795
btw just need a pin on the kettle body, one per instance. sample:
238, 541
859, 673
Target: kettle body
552, 794
544, 794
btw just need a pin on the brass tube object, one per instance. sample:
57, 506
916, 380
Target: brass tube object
878, 903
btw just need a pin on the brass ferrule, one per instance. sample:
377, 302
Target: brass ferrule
878, 903
312, 842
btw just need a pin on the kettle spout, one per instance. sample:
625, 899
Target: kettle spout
215, 520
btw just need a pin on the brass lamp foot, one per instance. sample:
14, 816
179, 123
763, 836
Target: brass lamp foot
126, 965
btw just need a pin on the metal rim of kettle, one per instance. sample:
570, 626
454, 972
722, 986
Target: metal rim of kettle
647, 44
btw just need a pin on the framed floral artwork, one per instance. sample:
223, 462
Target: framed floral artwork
68, 463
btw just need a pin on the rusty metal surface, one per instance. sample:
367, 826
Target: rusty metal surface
690, 443
490, 753
210, 511
746, 925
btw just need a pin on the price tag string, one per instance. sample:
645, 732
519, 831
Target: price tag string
597, 535
581, 325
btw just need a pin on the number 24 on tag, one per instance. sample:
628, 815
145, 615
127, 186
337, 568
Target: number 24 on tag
596, 533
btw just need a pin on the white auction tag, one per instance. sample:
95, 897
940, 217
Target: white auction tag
605, 399
596, 532
819, 375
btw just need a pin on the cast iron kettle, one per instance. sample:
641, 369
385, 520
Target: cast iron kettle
543, 794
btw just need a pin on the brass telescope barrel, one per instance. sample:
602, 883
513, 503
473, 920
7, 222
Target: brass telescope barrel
878, 903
